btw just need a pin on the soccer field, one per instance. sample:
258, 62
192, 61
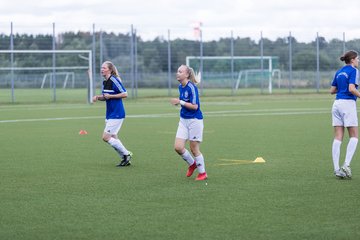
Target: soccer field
57, 184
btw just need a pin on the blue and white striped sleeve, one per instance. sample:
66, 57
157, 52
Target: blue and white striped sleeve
117, 82
193, 94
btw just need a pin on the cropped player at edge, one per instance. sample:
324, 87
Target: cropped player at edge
344, 112
113, 92
191, 122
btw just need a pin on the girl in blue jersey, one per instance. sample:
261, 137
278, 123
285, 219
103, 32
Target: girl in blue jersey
191, 122
344, 112
113, 92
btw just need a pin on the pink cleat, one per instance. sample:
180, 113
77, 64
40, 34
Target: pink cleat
201, 177
191, 169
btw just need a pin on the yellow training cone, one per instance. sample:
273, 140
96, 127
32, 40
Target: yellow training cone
259, 160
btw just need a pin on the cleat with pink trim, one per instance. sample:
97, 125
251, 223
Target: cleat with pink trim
191, 170
201, 177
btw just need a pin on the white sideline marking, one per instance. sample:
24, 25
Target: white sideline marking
234, 113
56, 107
266, 114
47, 119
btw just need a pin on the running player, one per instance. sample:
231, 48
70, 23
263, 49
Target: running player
344, 113
113, 92
191, 122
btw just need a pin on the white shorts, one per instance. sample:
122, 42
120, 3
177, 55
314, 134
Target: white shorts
344, 113
190, 129
112, 126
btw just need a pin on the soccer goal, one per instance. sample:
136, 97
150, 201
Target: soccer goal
237, 72
64, 76
247, 78
47, 68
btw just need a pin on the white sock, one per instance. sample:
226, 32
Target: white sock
350, 150
118, 146
200, 163
188, 158
336, 153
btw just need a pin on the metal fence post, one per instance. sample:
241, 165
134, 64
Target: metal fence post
94, 73
317, 63
169, 64
262, 61
12, 63
132, 61
54, 64
290, 63
232, 62
101, 54
201, 62
135, 64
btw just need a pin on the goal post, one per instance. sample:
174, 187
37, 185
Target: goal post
232, 69
17, 62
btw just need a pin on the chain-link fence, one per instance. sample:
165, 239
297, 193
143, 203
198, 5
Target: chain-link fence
231, 61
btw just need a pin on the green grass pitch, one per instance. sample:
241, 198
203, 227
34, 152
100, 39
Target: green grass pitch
57, 184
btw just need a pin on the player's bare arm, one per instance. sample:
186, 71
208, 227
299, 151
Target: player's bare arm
176, 101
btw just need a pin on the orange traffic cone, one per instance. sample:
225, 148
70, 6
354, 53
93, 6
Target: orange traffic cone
83, 132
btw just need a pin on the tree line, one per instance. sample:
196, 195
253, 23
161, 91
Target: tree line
152, 55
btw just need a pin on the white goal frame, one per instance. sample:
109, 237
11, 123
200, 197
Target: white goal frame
66, 75
88, 67
267, 58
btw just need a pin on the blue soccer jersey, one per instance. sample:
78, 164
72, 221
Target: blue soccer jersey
189, 93
114, 107
345, 76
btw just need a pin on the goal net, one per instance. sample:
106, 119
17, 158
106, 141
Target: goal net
236, 72
52, 69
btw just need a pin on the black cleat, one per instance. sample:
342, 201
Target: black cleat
126, 160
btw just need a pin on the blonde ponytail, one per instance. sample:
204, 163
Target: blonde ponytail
198, 77
193, 77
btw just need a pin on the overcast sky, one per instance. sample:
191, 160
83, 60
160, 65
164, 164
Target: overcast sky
246, 18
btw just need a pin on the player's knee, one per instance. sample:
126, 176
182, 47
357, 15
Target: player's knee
106, 138
179, 149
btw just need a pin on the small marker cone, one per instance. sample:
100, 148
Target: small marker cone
259, 160
83, 132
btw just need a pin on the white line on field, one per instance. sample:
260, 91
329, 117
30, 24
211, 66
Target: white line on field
234, 113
